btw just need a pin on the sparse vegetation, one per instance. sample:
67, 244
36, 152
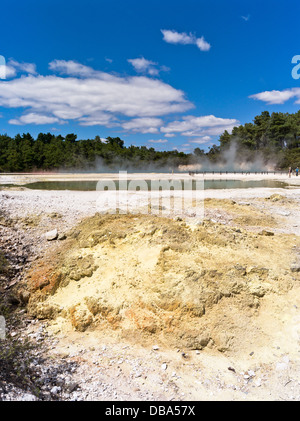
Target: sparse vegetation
3, 264
15, 364
15, 352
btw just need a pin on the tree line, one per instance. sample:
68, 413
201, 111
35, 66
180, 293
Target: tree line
273, 136
50, 152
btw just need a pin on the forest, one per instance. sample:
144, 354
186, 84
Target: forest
273, 136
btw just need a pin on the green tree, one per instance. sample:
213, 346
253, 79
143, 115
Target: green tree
199, 152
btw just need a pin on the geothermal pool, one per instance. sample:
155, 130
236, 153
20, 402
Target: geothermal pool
90, 185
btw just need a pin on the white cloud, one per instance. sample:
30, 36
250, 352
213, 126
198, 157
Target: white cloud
142, 65
201, 140
200, 126
73, 68
10, 72
278, 97
202, 44
158, 141
12, 67
143, 125
174, 37
15, 66
246, 18
92, 97
101, 119
33, 118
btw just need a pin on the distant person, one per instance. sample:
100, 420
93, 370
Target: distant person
290, 172
297, 171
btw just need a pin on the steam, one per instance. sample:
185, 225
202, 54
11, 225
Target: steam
135, 165
234, 159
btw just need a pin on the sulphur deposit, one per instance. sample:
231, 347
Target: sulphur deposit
157, 280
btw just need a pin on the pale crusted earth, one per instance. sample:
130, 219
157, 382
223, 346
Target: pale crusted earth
159, 308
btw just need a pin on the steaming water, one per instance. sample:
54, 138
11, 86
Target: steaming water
86, 185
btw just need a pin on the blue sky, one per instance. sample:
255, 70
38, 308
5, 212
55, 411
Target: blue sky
167, 74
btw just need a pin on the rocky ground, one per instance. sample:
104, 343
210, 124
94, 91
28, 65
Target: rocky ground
102, 364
